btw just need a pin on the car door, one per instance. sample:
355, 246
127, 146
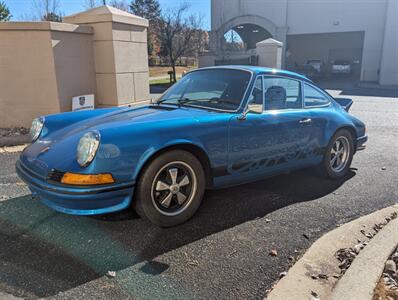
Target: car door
272, 141
317, 102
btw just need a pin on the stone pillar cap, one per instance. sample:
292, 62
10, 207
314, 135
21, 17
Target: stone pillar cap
106, 13
269, 42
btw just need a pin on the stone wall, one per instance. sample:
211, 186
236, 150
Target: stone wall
44, 64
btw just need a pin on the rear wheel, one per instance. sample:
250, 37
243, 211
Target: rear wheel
339, 153
170, 189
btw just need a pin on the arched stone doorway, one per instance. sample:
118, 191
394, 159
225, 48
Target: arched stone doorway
247, 31
250, 28
246, 34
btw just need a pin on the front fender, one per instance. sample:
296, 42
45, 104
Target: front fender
152, 151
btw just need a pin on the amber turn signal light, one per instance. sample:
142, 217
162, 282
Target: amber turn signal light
87, 179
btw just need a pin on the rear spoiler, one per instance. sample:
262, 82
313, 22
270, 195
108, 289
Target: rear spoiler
344, 103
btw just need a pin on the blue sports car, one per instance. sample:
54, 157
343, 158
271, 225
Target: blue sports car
216, 127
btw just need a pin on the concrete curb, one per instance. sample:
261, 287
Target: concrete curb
360, 280
299, 283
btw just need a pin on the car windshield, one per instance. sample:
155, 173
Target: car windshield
221, 89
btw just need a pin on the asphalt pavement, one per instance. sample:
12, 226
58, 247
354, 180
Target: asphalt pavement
223, 252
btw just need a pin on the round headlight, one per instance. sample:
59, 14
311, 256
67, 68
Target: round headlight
87, 148
36, 128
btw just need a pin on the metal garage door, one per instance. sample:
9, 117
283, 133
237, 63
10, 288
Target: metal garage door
327, 47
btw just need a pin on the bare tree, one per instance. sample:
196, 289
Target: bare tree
94, 3
179, 35
90, 3
120, 4
47, 10
150, 10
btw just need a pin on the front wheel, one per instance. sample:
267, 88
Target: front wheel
170, 189
339, 153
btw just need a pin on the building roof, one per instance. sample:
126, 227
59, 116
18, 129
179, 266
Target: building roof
270, 41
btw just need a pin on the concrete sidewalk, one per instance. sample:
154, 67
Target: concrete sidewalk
367, 243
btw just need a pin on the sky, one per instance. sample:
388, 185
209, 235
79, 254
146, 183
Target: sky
23, 9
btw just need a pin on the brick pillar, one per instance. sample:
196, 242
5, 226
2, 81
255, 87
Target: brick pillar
120, 55
269, 53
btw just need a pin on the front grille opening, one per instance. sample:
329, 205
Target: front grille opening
55, 175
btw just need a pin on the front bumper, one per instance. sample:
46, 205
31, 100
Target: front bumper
361, 141
91, 200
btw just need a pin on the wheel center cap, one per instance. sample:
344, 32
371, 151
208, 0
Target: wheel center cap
174, 189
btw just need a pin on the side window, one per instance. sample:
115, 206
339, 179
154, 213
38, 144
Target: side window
256, 96
282, 93
313, 97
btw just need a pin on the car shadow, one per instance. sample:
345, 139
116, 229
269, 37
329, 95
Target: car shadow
44, 252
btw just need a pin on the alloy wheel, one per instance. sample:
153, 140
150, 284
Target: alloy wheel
173, 188
339, 154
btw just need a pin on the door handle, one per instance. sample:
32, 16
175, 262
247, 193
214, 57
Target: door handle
305, 121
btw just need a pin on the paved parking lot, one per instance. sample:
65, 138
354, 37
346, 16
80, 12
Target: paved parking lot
223, 252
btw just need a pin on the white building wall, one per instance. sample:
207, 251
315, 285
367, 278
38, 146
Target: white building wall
317, 16
225, 10
389, 62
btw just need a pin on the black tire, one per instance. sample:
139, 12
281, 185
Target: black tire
147, 203
325, 167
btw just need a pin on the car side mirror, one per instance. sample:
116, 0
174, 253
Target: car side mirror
251, 108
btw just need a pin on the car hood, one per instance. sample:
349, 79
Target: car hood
57, 149
133, 116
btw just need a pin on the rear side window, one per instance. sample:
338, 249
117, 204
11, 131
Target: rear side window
281, 93
313, 97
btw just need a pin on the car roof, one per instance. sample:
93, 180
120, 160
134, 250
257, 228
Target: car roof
261, 70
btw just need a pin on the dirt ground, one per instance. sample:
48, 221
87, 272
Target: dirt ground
384, 293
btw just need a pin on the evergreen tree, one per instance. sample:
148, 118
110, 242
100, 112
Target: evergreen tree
4, 12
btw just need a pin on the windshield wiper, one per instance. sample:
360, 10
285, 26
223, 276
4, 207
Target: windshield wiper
183, 100
168, 99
